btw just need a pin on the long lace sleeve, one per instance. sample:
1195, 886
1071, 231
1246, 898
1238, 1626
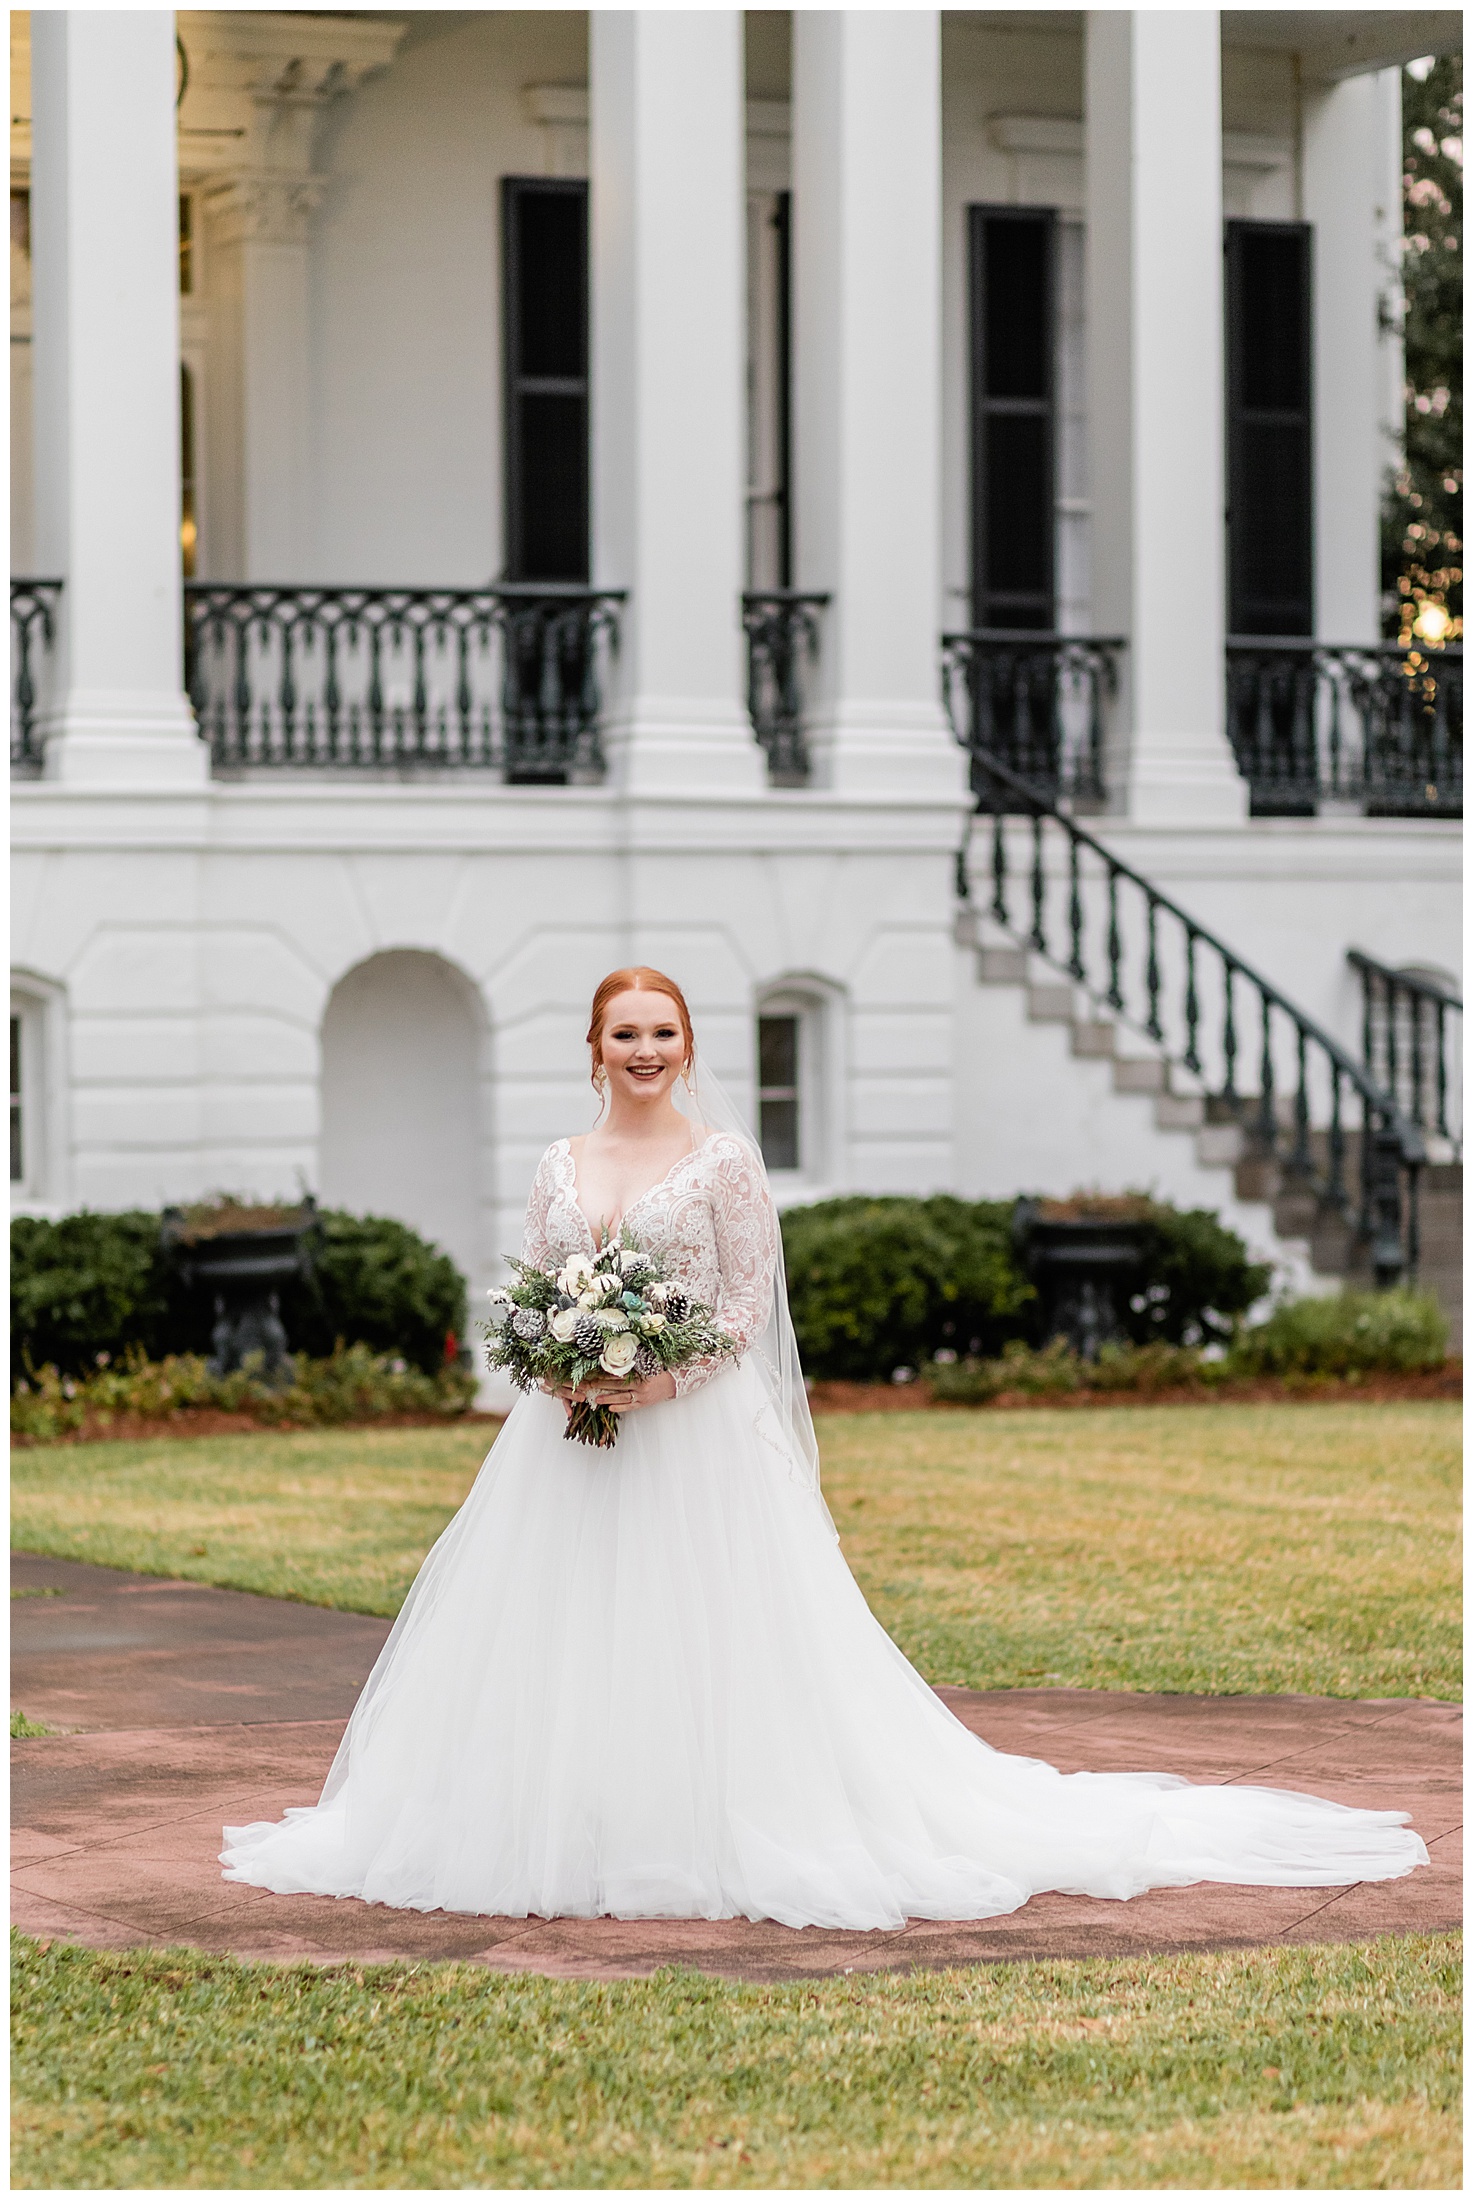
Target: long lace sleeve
535, 1247
745, 1224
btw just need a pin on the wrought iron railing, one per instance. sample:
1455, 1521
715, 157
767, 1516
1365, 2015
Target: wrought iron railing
1330, 1128
1037, 701
782, 638
33, 610
504, 678
1376, 727
1412, 1045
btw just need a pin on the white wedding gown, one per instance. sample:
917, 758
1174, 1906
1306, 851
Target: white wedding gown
643, 1683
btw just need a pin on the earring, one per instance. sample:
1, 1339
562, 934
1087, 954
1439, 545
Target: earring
600, 1077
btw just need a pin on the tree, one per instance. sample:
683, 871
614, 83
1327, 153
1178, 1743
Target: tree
1422, 532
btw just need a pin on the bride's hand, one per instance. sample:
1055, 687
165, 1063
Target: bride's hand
622, 1397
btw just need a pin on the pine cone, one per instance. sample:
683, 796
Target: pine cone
529, 1323
677, 1306
589, 1337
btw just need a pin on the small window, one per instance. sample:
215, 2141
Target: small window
17, 1127
777, 1093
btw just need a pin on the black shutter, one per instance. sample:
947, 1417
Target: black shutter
1011, 252
1270, 454
545, 378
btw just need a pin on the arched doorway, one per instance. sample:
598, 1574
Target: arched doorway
402, 1039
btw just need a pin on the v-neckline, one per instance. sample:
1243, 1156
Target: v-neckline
634, 1204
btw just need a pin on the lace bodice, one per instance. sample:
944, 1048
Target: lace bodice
710, 1220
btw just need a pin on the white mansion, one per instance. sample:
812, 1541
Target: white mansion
501, 494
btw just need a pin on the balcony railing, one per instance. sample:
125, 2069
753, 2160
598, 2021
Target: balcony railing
782, 639
504, 678
1375, 728
33, 609
1036, 701
1412, 1045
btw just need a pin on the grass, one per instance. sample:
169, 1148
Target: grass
1318, 2067
23, 1729
1223, 1549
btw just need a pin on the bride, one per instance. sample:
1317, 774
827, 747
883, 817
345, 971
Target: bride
643, 1682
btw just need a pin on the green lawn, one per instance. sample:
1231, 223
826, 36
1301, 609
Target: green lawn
1218, 1548
1307, 2067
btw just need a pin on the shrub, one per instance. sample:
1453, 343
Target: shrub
378, 1283
1198, 1279
876, 1284
351, 1384
1349, 1333
86, 1284
92, 1284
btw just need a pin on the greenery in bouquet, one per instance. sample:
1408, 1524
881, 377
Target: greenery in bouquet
611, 1318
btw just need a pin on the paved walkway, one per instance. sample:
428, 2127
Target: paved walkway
187, 1707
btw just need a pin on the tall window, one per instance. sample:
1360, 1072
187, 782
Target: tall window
17, 1125
1012, 283
779, 1126
1270, 461
545, 379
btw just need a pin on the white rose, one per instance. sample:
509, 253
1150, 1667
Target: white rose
588, 1300
576, 1277
563, 1323
652, 1324
613, 1322
618, 1354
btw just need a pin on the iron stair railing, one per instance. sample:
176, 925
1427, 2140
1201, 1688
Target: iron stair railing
1411, 1045
1139, 954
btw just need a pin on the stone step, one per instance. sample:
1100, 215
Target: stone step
1179, 1111
1093, 1040
1002, 965
1050, 1004
1140, 1073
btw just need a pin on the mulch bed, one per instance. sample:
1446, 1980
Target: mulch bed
1446, 1382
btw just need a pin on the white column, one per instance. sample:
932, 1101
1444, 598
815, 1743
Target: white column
105, 289
666, 160
1154, 279
260, 230
867, 392
1343, 197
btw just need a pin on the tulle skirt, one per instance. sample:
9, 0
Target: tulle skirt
643, 1683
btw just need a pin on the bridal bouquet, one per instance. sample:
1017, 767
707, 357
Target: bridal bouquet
613, 1315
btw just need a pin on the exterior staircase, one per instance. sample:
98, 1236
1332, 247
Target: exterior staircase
1205, 1149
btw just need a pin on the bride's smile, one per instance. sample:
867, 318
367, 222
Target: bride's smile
643, 1682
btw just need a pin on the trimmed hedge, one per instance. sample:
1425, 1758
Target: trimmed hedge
94, 1283
876, 1284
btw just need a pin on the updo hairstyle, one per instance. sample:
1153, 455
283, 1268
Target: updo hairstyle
640, 979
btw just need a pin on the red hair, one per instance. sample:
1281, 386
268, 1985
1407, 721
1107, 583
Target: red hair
640, 979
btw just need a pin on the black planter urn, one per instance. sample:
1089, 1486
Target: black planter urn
241, 1257
1084, 1258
